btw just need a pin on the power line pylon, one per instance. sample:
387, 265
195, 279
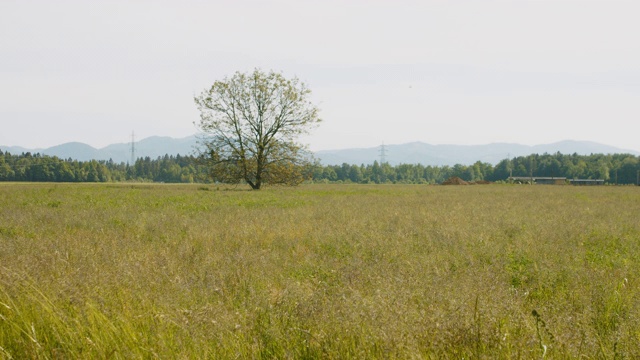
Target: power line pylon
133, 148
383, 154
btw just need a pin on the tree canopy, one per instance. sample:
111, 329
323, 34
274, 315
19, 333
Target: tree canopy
612, 168
250, 124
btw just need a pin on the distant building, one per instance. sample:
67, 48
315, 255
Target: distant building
541, 180
586, 181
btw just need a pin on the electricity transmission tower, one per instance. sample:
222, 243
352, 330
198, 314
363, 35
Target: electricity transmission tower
133, 149
383, 154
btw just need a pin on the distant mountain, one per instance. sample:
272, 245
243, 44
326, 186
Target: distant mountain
18, 149
73, 150
152, 147
410, 153
439, 155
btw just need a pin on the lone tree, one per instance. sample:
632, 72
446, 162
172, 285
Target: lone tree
251, 122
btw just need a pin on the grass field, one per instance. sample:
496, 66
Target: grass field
319, 271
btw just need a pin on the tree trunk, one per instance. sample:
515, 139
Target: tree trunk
254, 186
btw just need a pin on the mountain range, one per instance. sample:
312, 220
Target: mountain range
152, 147
440, 155
409, 153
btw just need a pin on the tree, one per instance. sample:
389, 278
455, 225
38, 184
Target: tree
251, 122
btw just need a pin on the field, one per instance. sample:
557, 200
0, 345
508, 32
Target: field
319, 271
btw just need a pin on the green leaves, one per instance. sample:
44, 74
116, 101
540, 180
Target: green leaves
251, 121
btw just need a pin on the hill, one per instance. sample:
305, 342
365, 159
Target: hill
410, 153
439, 155
152, 147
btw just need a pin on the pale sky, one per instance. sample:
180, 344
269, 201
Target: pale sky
442, 71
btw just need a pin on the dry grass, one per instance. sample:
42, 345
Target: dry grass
319, 271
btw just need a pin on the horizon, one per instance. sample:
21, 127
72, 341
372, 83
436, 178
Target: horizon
459, 73
333, 149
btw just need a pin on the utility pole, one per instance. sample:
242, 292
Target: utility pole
531, 168
383, 154
133, 149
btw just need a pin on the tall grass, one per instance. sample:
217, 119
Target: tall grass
319, 271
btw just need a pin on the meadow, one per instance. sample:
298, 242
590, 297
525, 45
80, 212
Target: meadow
128, 271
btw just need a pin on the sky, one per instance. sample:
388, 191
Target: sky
463, 72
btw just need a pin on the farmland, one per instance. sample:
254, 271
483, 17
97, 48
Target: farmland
319, 271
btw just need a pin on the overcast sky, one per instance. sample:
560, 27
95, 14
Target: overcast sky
441, 72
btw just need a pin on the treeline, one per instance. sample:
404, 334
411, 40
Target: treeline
613, 168
43, 168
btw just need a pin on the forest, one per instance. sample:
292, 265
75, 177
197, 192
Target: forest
43, 168
613, 168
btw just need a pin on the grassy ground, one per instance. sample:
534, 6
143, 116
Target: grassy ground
319, 271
